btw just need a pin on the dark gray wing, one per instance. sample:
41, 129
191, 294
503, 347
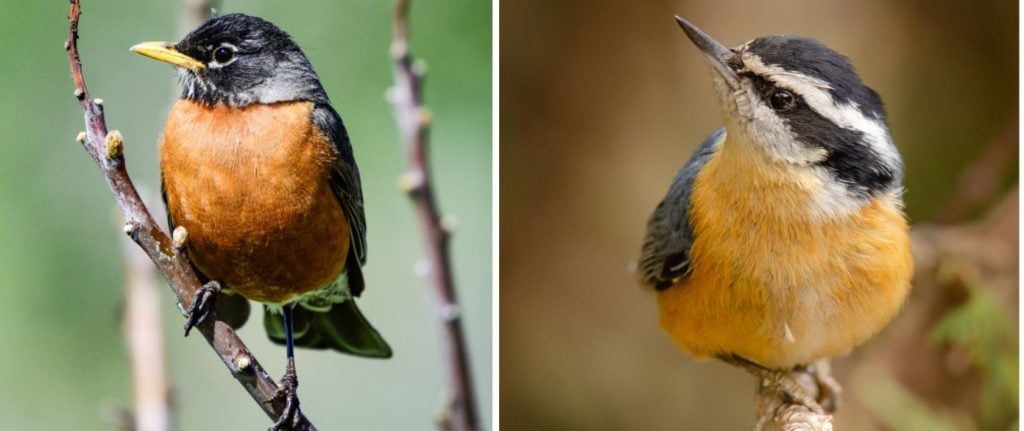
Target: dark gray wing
666, 252
348, 189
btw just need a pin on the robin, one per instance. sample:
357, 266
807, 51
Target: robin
257, 167
782, 240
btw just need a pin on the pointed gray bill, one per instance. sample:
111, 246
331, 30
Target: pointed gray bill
718, 55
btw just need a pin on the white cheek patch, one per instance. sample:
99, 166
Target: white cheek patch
775, 136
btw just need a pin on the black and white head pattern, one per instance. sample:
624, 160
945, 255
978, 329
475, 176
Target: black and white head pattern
804, 104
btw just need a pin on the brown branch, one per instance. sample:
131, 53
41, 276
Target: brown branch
949, 260
106, 149
144, 336
796, 417
143, 317
413, 123
983, 179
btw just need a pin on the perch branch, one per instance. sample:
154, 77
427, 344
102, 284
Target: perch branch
145, 341
778, 413
414, 123
983, 179
107, 150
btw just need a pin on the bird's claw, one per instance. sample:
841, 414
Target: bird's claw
829, 389
787, 385
202, 304
291, 417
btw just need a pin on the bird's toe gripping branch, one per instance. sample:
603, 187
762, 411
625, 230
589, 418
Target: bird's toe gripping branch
790, 388
291, 417
202, 305
790, 384
829, 390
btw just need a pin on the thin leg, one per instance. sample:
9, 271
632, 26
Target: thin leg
289, 342
291, 418
202, 304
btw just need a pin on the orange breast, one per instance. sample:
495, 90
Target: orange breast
775, 285
251, 187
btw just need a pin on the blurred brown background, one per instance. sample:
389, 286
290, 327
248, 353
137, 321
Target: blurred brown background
603, 101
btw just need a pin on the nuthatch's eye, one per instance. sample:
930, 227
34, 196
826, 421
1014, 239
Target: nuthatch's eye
223, 54
782, 100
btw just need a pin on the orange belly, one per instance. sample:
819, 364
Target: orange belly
251, 187
775, 286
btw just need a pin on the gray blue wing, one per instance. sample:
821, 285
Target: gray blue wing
665, 255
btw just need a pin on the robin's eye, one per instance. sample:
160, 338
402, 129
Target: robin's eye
223, 55
782, 100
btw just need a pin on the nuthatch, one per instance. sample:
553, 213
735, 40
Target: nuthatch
782, 241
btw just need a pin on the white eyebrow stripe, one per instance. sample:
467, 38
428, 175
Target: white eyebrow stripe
817, 93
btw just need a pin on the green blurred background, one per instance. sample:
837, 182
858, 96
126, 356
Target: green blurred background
602, 101
61, 269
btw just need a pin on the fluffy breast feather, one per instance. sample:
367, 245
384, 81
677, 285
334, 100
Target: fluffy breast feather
773, 279
251, 187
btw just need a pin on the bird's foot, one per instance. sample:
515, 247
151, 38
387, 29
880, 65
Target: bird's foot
777, 389
828, 388
291, 417
202, 304
788, 385
784, 383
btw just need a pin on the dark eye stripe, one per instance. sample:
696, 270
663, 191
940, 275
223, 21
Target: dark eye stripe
765, 88
849, 158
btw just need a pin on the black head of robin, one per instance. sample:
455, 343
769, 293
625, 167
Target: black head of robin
239, 60
257, 167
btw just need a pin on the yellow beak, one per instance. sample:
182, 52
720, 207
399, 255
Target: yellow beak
166, 52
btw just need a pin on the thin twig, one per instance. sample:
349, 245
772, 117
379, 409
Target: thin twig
106, 149
414, 123
144, 336
983, 179
143, 317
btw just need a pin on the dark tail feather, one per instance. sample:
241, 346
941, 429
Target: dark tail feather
342, 328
